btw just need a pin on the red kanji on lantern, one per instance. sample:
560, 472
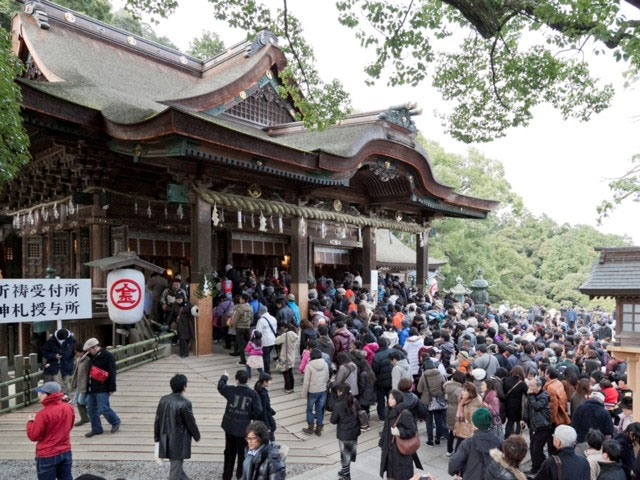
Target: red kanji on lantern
125, 294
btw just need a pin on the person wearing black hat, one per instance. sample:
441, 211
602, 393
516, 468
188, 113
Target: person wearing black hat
472, 457
58, 354
175, 426
50, 428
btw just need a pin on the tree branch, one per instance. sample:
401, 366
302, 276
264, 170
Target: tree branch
493, 72
406, 14
294, 51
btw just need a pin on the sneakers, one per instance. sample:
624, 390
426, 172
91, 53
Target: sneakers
91, 434
241, 363
448, 454
429, 443
115, 428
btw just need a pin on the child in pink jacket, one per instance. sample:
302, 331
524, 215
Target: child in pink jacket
253, 351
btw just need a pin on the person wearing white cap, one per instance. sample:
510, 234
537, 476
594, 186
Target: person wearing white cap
102, 384
592, 414
50, 428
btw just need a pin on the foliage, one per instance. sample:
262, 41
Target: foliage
206, 46
528, 259
623, 187
14, 141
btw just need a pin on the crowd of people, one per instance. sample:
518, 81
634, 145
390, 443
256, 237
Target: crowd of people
489, 384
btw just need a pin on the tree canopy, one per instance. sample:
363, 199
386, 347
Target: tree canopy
530, 259
206, 46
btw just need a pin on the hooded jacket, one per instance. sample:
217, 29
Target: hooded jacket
325, 345
347, 373
382, 367
499, 469
447, 351
488, 363
242, 316
412, 346
51, 427
316, 377
343, 340
370, 350
591, 414
401, 370
431, 384
392, 338
472, 458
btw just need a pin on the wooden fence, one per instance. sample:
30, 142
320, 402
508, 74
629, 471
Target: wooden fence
27, 373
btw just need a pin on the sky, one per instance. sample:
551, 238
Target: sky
559, 167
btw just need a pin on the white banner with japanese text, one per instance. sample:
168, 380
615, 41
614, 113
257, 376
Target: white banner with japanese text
36, 300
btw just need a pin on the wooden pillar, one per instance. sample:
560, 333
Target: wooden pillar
300, 265
631, 355
368, 257
201, 263
228, 252
422, 262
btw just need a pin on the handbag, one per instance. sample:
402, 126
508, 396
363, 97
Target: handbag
406, 446
98, 374
463, 429
436, 403
363, 419
331, 400
281, 365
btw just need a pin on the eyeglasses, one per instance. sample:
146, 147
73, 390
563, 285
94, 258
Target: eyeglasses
247, 438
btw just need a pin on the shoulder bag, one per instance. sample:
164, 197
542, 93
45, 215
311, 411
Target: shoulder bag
406, 446
435, 403
281, 365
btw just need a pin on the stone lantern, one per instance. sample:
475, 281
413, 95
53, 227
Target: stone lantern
479, 292
459, 291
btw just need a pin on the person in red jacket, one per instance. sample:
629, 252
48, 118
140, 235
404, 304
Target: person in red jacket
50, 428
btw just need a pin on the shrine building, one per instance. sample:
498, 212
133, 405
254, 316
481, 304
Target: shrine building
197, 164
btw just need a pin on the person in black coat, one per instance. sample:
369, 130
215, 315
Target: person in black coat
573, 465
263, 460
382, 368
101, 363
180, 313
514, 388
58, 353
538, 416
397, 423
262, 388
592, 414
611, 468
243, 405
345, 416
175, 426
628, 440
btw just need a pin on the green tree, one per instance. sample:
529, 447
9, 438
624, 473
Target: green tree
206, 46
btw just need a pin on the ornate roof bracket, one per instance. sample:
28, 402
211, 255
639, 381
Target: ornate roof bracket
401, 115
37, 11
263, 38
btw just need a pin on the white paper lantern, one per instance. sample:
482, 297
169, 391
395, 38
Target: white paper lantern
125, 295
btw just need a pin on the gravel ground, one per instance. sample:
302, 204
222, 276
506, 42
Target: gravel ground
25, 469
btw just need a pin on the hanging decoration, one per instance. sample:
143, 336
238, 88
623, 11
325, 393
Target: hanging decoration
71, 208
215, 218
303, 227
56, 214
375, 233
344, 231
149, 213
45, 214
135, 207
253, 223
422, 239
359, 234
105, 207
240, 219
166, 212
271, 222
180, 212
206, 288
323, 230
222, 215
16, 222
280, 224
390, 237
263, 223
36, 217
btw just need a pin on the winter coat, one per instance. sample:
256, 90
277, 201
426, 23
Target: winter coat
492, 401
51, 427
288, 354
403, 335
382, 367
499, 469
488, 363
286, 316
268, 327
316, 377
514, 393
412, 346
223, 311
472, 458
370, 350
447, 350
174, 427
346, 419
242, 316
401, 370
251, 349
52, 348
343, 340
392, 338
611, 471
266, 464
573, 466
296, 311
628, 458
538, 412
307, 335
105, 360
325, 345
267, 412
243, 405
347, 373
397, 466
80, 377
452, 390
181, 314
469, 409
366, 388
591, 414
557, 402
431, 384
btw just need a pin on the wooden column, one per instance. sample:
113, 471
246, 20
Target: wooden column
368, 257
631, 355
201, 263
99, 240
228, 253
299, 265
422, 262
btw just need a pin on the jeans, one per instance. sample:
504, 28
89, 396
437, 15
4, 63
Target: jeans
381, 394
266, 357
176, 472
248, 369
538, 440
440, 417
242, 337
98, 404
317, 400
55, 468
233, 448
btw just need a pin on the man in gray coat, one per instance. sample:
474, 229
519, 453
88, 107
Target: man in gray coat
175, 426
486, 361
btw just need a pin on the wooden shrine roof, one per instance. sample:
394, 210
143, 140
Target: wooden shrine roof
616, 273
391, 252
140, 94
